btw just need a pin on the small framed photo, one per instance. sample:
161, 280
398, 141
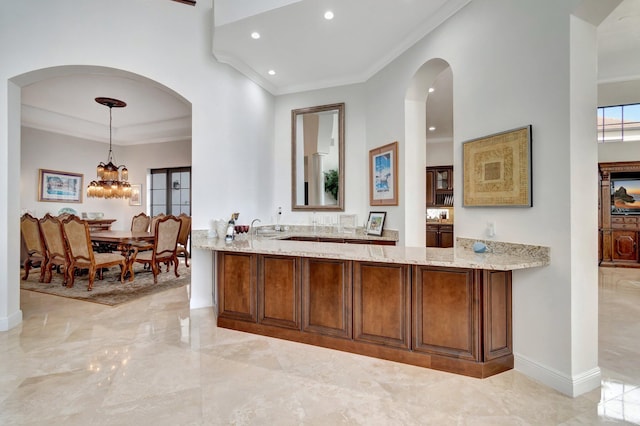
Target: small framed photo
54, 185
136, 195
375, 223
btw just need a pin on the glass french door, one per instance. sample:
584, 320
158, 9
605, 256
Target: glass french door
171, 191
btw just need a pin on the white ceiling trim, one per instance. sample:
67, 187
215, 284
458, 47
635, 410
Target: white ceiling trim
166, 130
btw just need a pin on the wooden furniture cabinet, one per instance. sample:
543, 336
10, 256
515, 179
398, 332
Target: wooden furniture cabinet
439, 235
99, 224
446, 318
618, 233
439, 186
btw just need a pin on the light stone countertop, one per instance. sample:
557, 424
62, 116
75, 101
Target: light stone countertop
501, 256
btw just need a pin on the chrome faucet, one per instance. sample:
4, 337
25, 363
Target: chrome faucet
255, 231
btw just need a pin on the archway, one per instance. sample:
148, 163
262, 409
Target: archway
118, 83
416, 151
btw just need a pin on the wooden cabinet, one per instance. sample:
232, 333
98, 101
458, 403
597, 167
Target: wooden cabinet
326, 297
625, 245
237, 286
451, 319
382, 304
618, 233
279, 291
446, 316
439, 186
439, 235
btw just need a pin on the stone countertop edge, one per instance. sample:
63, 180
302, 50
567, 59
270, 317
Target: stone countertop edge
501, 256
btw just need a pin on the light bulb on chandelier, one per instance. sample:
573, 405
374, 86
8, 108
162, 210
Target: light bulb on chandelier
112, 180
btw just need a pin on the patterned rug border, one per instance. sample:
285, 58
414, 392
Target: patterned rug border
109, 291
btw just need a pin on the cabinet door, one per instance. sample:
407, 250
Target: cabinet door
279, 291
446, 315
433, 236
431, 192
237, 286
326, 297
625, 245
446, 236
382, 304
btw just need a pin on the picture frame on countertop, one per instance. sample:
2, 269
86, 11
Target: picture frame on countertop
57, 186
375, 223
497, 170
136, 194
383, 175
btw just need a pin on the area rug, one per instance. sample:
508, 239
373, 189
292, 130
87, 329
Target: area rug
109, 291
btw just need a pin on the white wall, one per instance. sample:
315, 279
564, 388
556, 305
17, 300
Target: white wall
356, 156
47, 150
170, 43
499, 85
439, 154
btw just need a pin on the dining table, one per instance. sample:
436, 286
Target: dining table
127, 242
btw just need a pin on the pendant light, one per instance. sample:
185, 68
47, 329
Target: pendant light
112, 180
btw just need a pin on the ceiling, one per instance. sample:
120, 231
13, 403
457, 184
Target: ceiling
306, 51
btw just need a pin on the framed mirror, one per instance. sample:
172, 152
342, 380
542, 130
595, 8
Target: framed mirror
317, 158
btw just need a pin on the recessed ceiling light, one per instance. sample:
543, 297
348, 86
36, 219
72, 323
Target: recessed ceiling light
431, 90
328, 15
271, 72
255, 35
432, 128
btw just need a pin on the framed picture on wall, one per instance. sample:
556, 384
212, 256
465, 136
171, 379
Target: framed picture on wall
497, 170
383, 175
57, 186
136, 194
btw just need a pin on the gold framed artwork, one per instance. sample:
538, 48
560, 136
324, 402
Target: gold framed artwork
57, 186
383, 175
497, 170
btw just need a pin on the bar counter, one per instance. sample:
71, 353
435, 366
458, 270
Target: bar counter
445, 309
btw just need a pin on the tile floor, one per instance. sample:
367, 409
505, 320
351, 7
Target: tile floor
153, 361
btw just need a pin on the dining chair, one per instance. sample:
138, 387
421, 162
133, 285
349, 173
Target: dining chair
183, 238
165, 246
154, 219
33, 245
55, 246
140, 223
82, 256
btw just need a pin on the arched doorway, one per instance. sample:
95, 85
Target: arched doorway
416, 136
53, 130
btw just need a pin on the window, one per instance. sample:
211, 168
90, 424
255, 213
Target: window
619, 123
171, 191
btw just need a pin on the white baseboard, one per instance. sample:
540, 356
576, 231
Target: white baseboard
571, 386
7, 323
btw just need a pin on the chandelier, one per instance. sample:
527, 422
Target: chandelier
111, 182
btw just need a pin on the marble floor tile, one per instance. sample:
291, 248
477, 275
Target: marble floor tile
154, 361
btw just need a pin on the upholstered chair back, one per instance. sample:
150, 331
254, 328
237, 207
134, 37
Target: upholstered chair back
140, 223
167, 231
76, 232
31, 234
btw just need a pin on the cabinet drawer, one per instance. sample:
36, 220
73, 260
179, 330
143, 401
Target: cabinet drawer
624, 222
631, 226
624, 219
